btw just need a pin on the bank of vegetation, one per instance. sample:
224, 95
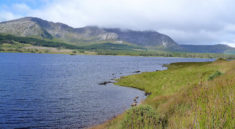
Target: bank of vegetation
186, 96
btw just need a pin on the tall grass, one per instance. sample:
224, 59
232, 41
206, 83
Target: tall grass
186, 96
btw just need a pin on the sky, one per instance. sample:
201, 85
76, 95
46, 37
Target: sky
199, 22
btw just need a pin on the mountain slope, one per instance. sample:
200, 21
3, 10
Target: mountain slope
24, 27
144, 38
35, 27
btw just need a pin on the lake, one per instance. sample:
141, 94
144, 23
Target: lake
63, 91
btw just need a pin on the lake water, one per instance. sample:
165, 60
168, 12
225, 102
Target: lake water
63, 91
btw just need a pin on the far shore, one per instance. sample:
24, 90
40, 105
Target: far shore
28, 48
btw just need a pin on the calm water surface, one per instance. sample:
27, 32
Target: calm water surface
63, 91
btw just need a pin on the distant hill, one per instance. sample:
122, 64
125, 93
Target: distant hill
33, 27
219, 48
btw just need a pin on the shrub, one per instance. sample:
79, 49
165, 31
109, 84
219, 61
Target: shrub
214, 75
141, 117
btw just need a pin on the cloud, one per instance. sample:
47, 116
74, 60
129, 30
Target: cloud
21, 7
229, 43
186, 21
5, 15
14, 11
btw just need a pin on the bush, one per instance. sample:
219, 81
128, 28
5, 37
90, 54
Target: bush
141, 117
214, 75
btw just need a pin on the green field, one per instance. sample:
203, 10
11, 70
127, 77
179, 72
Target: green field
187, 95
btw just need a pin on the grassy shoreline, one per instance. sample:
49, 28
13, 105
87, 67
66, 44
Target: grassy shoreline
186, 95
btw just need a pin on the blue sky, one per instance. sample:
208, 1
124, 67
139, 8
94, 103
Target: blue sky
186, 21
11, 9
34, 4
31, 3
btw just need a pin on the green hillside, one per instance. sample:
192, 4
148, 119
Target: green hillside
9, 43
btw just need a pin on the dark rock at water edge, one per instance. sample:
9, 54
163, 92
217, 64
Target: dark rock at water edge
147, 93
105, 83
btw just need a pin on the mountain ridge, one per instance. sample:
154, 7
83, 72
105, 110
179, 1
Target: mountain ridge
36, 27
42, 29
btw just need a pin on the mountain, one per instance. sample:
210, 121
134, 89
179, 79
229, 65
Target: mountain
32, 27
218, 48
143, 38
35, 27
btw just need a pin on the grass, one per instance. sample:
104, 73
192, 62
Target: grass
187, 95
28, 48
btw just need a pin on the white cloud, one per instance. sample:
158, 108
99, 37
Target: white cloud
14, 11
186, 21
229, 43
5, 15
23, 8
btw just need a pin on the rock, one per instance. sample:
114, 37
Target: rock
133, 104
147, 93
108, 36
135, 99
137, 71
105, 82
